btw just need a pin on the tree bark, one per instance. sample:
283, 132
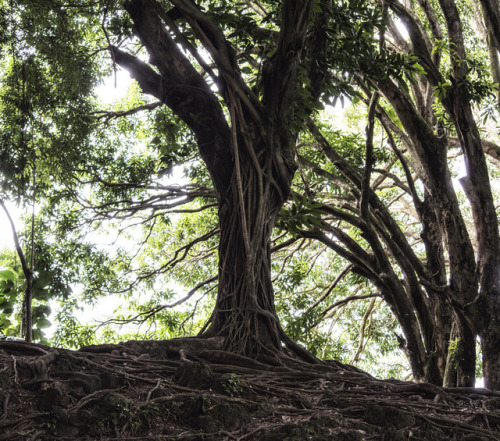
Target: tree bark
250, 160
245, 312
424, 316
483, 312
474, 276
491, 14
430, 152
491, 356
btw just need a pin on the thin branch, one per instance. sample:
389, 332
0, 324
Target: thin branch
256, 7
370, 159
344, 302
341, 275
144, 316
184, 249
362, 344
22, 258
404, 164
284, 244
363, 261
27, 271
109, 115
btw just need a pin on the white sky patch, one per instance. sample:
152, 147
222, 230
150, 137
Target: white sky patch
115, 87
402, 29
6, 237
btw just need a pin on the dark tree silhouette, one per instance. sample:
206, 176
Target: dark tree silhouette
250, 155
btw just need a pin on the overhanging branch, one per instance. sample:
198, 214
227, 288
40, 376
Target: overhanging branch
109, 115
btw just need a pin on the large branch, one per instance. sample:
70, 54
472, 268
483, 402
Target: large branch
181, 87
420, 42
107, 116
490, 148
477, 184
214, 41
280, 69
491, 13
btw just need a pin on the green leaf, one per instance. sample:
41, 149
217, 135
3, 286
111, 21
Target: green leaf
43, 323
4, 322
7, 275
43, 279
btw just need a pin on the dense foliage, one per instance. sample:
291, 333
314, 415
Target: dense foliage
379, 258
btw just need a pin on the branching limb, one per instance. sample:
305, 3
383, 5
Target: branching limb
396, 181
145, 316
369, 161
409, 178
421, 46
349, 172
278, 74
344, 302
490, 148
107, 116
434, 25
181, 87
215, 42
362, 261
184, 250
362, 344
284, 244
339, 277
329, 176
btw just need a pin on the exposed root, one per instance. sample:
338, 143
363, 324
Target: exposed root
190, 389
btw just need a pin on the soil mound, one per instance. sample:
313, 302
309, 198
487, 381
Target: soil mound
189, 389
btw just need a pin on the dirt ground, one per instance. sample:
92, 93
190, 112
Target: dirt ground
189, 389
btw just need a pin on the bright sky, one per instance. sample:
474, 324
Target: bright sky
6, 239
108, 93
114, 88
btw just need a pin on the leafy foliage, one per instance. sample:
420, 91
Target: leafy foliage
127, 207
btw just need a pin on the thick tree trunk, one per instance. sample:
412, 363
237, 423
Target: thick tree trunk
245, 312
466, 360
250, 161
491, 358
263, 167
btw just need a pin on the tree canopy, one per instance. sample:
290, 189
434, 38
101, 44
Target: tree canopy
227, 171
